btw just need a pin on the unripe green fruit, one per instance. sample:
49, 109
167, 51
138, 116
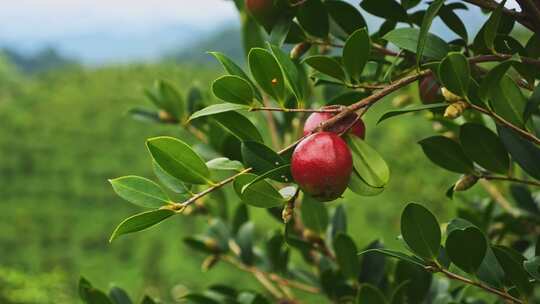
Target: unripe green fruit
430, 90
265, 12
315, 119
321, 164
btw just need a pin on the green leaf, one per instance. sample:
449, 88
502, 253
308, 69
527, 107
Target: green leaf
370, 294
289, 69
91, 295
466, 248
453, 22
119, 296
419, 281
225, 164
397, 255
447, 154
178, 160
508, 101
262, 194
346, 255
420, 230
430, 14
233, 69
168, 180
513, 270
267, 72
455, 74
523, 152
238, 125
372, 265
326, 65
490, 270
144, 115
263, 159
147, 300
359, 186
313, 18
533, 104
411, 109
484, 147
370, 166
140, 222
314, 215
346, 16
171, 99
216, 109
140, 191
387, 9
244, 239
233, 89
492, 25
407, 38
356, 53
533, 267
251, 33
493, 79
281, 170
339, 221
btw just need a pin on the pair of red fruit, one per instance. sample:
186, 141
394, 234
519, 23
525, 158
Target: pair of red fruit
322, 163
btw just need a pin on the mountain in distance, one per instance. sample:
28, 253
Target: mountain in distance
227, 41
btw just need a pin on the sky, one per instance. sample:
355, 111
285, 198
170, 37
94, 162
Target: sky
109, 30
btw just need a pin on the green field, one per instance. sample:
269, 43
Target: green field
65, 132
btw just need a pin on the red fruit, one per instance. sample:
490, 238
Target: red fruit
265, 12
315, 119
322, 165
430, 90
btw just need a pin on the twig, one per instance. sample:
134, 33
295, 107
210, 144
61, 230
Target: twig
531, 11
271, 125
272, 276
492, 5
498, 197
502, 57
485, 287
511, 179
529, 136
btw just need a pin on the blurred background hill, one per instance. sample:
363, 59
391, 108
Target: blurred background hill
64, 131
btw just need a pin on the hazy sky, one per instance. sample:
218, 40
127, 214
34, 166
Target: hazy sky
39, 19
98, 31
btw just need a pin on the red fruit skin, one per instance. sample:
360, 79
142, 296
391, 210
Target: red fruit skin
315, 119
430, 90
322, 164
264, 12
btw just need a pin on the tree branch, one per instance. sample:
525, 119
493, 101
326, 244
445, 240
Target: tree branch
511, 179
453, 276
529, 136
272, 276
492, 5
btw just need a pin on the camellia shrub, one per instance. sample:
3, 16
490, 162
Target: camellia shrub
274, 145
